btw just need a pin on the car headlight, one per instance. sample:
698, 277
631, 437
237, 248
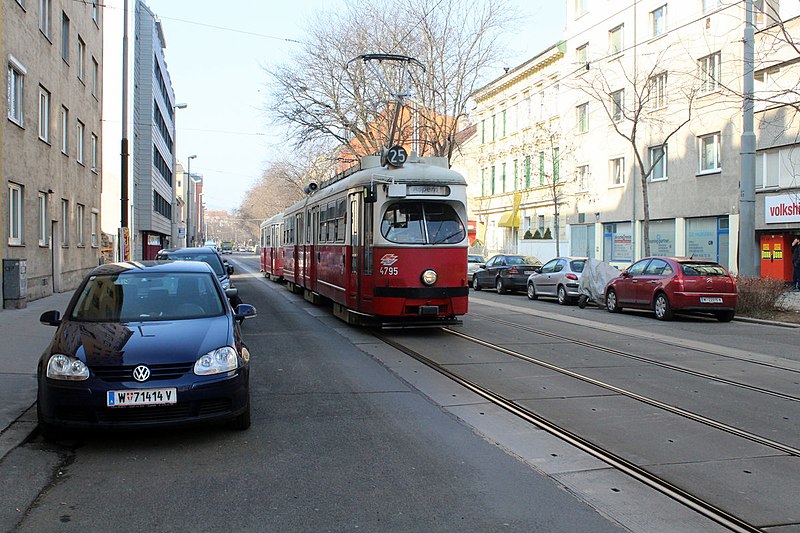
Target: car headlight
429, 277
66, 368
226, 283
217, 362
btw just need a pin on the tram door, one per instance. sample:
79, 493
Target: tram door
356, 252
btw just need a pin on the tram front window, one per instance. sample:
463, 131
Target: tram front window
422, 223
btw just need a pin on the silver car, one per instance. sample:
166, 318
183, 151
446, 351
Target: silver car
558, 279
474, 262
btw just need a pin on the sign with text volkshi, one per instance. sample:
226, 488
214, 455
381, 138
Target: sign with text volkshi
782, 208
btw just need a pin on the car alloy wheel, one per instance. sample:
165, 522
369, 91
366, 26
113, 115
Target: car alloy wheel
499, 286
532, 292
611, 302
662, 308
562, 295
475, 284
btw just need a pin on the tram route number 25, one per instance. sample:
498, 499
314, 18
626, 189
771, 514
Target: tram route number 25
389, 271
396, 156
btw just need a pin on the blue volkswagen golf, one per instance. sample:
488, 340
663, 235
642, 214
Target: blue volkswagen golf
145, 344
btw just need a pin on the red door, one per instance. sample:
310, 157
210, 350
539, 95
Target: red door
776, 256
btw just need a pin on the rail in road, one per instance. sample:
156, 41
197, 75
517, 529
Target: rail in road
713, 427
679, 395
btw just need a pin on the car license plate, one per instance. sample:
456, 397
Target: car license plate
527, 272
132, 398
710, 300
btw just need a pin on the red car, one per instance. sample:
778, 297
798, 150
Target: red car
668, 284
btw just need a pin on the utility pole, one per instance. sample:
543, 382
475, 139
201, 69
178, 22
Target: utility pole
124, 237
748, 258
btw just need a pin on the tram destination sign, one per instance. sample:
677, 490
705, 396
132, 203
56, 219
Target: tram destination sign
428, 190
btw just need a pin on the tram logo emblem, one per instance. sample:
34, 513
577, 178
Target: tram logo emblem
389, 259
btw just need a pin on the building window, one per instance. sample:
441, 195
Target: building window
493, 180
81, 58
617, 103
16, 93
65, 37
580, 7
79, 139
504, 123
541, 169
45, 8
582, 54
64, 129
42, 229
94, 152
527, 171
44, 114
79, 222
616, 171
582, 117
709, 72
658, 91
494, 127
516, 175
483, 182
95, 228
556, 163
64, 222
95, 12
709, 154
483, 131
658, 162
95, 77
615, 41
582, 177
14, 214
658, 20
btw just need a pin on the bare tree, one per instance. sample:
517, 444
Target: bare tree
633, 101
319, 96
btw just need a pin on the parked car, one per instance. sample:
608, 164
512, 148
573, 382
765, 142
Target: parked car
669, 284
220, 266
145, 344
506, 272
474, 262
558, 278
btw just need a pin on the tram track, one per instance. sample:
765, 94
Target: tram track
697, 504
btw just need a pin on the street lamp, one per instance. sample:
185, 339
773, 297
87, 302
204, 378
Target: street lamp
187, 191
173, 237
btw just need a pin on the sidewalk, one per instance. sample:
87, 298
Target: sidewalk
23, 341
790, 301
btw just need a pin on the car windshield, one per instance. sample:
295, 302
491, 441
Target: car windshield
474, 259
422, 223
577, 265
522, 260
134, 297
211, 258
702, 269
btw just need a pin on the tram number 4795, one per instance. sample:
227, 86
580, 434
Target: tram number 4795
389, 271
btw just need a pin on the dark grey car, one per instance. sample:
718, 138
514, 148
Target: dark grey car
506, 272
558, 279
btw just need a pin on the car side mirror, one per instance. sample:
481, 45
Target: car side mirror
625, 274
245, 311
232, 293
50, 318
229, 269
538, 269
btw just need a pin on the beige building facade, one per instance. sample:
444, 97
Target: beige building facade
51, 141
647, 88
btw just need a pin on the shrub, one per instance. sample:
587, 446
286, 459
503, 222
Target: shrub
528, 235
547, 234
537, 235
758, 296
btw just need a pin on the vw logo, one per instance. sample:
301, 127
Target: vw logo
141, 373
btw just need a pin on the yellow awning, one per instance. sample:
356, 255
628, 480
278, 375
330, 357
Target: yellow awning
510, 219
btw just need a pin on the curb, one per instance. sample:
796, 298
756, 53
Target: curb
19, 431
766, 322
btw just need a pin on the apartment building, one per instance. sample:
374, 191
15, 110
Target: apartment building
512, 162
51, 141
153, 148
643, 119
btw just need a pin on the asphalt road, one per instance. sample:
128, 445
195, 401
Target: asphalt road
338, 443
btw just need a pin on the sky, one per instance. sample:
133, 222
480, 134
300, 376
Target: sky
216, 54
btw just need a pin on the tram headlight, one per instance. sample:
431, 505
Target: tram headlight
429, 277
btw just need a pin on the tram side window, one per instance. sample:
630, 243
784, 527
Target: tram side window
340, 211
323, 223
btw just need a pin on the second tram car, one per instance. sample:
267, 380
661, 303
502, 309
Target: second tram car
387, 245
271, 252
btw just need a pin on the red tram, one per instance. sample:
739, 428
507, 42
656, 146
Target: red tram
387, 245
271, 252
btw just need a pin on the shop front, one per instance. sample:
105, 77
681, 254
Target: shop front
781, 226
